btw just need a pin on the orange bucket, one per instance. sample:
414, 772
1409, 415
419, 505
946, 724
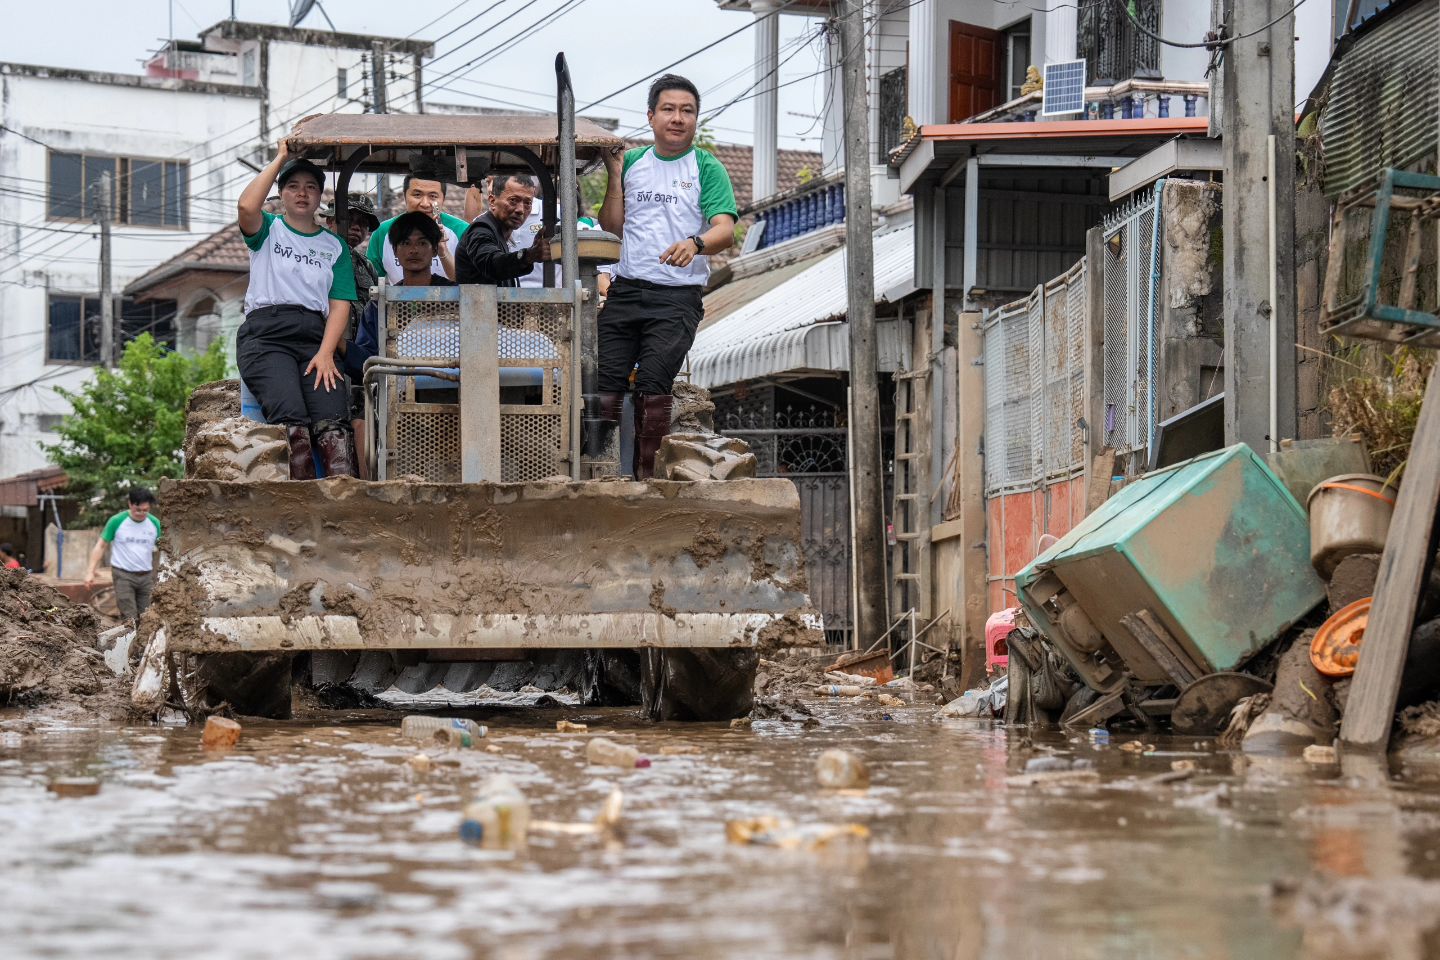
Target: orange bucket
1336, 647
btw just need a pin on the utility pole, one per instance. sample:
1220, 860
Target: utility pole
1258, 128
867, 538
377, 82
103, 215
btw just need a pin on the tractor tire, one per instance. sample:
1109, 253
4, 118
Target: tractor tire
246, 684
698, 684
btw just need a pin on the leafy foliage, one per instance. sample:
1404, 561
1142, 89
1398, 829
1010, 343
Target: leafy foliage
128, 424
1376, 391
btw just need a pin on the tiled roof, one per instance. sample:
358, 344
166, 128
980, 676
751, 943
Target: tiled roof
222, 250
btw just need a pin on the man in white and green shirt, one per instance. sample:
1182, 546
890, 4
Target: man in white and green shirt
673, 207
132, 535
428, 197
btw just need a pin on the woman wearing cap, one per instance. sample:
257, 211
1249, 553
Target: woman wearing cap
296, 310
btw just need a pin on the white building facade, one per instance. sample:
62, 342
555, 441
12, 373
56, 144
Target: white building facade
179, 143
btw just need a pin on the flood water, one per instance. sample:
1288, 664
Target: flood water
313, 839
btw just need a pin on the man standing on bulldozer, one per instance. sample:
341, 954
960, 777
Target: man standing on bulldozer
673, 207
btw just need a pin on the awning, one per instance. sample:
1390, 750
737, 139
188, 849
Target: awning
793, 326
24, 489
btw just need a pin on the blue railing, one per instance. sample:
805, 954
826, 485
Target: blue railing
1134, 106
799, 215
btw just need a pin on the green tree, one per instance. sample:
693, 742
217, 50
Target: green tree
705, 138
127, 425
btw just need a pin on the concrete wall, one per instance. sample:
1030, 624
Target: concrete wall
1191, 303
1312, 248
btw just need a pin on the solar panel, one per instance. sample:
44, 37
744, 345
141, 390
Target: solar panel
1064, 88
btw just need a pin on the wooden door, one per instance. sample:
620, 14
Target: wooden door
975, 70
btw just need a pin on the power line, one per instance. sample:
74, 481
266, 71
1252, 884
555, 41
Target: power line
694, 53
1213, 42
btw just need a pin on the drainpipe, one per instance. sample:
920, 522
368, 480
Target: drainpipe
1152, 332
1273, 294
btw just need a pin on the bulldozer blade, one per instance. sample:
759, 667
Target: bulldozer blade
343, 564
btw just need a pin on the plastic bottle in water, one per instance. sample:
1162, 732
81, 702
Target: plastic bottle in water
838, 770
498, 817
608, 753
447, 730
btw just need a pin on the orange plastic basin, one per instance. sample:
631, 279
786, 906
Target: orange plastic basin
1336, 647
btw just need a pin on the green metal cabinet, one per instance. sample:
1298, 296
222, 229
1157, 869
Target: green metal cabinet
1184, 572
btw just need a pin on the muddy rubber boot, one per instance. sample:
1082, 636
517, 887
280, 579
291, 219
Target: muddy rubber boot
654, 423
302, 462
337, 453
601, 422
1300, 711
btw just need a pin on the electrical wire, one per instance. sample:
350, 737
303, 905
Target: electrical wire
1214, 43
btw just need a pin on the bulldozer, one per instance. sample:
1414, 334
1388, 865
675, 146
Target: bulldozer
497, 545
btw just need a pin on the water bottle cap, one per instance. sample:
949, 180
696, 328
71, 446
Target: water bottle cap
472, 831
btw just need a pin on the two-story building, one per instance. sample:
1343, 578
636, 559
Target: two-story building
178, 142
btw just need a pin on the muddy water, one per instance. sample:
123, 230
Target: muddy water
315, 840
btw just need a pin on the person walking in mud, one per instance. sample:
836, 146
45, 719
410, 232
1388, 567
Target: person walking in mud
673, 208
132, 535
297, 308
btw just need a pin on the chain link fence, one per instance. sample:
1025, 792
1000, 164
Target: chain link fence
1131, 265
1034, 358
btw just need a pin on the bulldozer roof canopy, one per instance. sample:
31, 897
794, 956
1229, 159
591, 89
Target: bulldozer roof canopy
393, 136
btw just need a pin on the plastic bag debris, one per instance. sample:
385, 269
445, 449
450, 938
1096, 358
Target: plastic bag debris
980, 703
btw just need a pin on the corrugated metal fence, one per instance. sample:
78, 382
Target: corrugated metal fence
1034, 358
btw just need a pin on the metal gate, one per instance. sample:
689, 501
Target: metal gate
808, 448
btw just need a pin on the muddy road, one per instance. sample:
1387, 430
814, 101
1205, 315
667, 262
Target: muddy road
315, 839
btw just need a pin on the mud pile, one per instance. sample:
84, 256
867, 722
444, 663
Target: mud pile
222, 445
48, 647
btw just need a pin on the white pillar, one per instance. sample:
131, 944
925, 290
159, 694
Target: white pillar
1061, 29
766, 158
925, 80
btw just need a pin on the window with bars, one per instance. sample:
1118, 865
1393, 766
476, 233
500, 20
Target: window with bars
1114, 47
72, 333
148, 193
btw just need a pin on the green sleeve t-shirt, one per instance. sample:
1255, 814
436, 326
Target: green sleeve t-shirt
382, 255
666, 200
290, 268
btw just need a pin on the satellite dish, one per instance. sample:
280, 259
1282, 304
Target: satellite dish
299, 10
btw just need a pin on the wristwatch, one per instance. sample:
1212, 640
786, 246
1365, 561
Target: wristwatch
699, 242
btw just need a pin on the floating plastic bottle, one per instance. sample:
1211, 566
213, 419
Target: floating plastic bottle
838, 770
498, 818
452, 731
840, 690
608, 753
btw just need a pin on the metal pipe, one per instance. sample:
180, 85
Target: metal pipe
1152, 334
1273, 294
585, 335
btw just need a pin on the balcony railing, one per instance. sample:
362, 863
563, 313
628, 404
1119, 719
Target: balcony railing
1128, 100
818, 204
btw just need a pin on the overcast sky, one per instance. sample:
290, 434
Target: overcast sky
609, 43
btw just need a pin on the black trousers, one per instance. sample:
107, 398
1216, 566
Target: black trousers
272, 348
648, 324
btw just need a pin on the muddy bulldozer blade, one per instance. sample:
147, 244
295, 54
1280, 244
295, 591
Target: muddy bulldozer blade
344, 565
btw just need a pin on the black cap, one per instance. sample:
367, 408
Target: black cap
300, 165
